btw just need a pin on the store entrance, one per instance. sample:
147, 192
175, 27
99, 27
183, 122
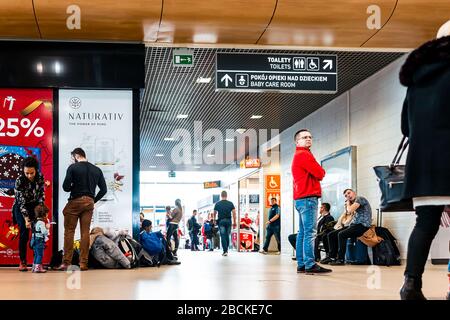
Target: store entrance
248, 214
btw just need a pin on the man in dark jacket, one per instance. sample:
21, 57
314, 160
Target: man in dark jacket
307, 174
322, 231
82, 178
194, 228
273, 226
425, 121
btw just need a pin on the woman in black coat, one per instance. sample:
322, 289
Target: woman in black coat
426, 122
29, 192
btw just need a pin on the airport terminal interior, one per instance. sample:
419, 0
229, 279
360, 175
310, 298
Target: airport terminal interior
126, 130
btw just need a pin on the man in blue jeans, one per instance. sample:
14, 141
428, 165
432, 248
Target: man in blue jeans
225, 209
307, 174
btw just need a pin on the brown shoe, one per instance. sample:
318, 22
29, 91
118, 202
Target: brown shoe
83, 267
62, 267
23, 267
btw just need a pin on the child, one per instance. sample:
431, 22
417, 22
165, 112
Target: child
40, 233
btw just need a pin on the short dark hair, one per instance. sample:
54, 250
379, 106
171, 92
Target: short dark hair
146, 223
30, 162
224, 194
327, 206
298, 132
273, 198
41, 210
79, 152
195, 210
168, 208
347, 190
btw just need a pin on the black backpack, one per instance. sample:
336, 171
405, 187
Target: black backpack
128, 250
144, 258
386, 253
57, 259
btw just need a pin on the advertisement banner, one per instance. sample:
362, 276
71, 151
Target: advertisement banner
26, 129
101, 123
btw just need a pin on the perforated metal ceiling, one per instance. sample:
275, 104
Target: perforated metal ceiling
172, 90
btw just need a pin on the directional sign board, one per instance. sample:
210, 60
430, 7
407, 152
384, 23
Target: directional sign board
302, 73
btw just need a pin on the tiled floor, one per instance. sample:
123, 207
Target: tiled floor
208, 275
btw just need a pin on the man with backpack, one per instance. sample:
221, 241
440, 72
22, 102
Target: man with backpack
155, 244
194, 228
361, 222
208, 232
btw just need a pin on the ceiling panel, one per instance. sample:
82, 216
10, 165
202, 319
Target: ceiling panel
340, 23
214, 21
413, 23
135, 20
173, 90
17, 19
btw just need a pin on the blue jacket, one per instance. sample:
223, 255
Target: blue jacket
151, 241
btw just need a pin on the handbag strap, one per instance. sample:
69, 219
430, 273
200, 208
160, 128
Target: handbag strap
401, 148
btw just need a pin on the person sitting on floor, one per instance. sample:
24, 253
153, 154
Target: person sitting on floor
106, 251
155, 244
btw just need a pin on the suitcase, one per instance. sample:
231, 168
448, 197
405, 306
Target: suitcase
356, 253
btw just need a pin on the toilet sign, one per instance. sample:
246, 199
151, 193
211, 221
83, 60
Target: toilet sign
272, 189
302, 73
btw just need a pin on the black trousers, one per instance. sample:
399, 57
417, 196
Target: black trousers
353, 232
292, 238
272, 230
332, 243
173, 231
426, 228
24, 234
321, 238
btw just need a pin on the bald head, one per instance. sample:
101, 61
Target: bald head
444, 30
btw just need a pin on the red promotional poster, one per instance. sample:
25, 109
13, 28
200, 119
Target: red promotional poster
26, 129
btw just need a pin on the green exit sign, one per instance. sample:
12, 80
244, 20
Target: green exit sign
183, 58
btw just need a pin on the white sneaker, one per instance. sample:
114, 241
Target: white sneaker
225, 254
263, 252
278, 253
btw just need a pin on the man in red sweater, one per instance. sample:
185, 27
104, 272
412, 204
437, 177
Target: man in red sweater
307, 174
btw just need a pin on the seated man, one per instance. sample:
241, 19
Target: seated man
360, 223
322, 230
330, 242
246, 223
155, 244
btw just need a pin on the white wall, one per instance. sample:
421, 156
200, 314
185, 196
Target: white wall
367, 116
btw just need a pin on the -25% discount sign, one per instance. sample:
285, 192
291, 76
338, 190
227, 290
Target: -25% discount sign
12, 127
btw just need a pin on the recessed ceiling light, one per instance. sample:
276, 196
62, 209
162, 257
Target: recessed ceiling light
203, 80
229, 140
182, 116
197, 167
152, 167
255, 117
169, 139
210, 155
159, 155
241, 130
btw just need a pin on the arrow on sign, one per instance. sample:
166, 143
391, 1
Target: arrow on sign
185, 59
328, 64
226, 78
